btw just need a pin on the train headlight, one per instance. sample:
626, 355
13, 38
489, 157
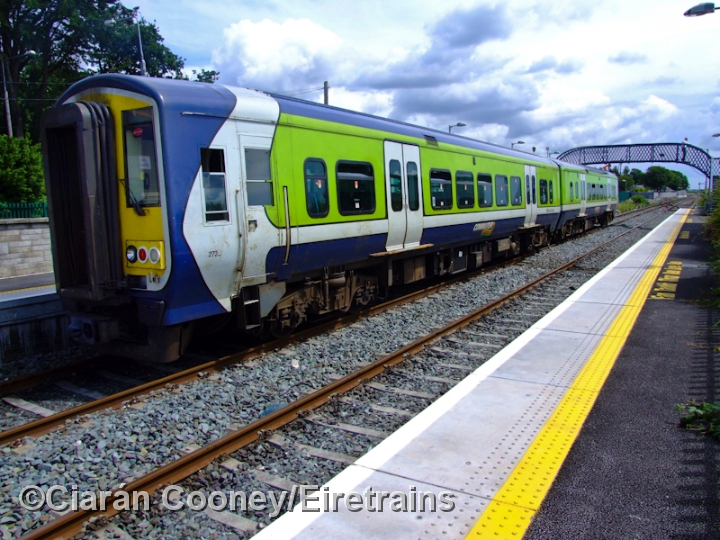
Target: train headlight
154, 255
131, 254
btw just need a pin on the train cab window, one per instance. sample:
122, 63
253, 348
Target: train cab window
259, 183
396, 195
141, 174
441, 189
465, 189
485, 195
501, 190
356, 188
316, 188
213, 181
413, 181
550, 190
515, 190
543, 191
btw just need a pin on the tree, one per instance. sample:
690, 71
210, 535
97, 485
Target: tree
206, 75
71, 42
657, 178
638, 177
21, 171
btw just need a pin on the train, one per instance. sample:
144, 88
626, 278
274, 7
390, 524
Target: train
177, 207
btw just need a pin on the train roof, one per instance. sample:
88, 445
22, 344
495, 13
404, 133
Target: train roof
218, 100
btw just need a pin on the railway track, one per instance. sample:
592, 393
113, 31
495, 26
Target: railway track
443, 357
121, 388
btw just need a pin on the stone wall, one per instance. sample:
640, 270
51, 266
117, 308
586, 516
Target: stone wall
25, 247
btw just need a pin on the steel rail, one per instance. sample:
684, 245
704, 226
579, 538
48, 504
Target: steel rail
72, 523
45, 425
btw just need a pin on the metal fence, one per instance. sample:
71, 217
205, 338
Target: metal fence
23, 210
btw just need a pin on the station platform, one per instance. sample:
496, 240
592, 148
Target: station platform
498, 440
22, 287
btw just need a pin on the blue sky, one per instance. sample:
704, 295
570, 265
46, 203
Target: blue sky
556, 74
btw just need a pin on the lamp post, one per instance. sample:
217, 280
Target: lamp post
701, 9
459, 124
512, 145
8, 119
134, 19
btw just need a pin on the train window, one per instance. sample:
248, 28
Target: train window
141, 174
214, 191
550, 188
396, 195
441, 189
572, 196
465, 189
516, 190
316, 188
356, 188
413, 189
577, 190
501, 190
534, 195
485, 196
593, 192
543, 192
259, 183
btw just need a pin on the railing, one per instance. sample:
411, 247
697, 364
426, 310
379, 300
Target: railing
23, 210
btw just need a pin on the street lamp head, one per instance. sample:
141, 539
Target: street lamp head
701, 9
459, 124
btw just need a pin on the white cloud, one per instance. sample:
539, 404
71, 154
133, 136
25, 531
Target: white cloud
277, 56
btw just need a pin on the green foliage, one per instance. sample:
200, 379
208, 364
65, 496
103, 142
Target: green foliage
21, 171
71, 42
637, 176
703, 417
640, 200
206, 75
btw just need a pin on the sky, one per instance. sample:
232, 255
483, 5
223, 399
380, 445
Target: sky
556, 74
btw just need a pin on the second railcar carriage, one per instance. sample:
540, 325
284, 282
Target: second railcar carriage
175, 203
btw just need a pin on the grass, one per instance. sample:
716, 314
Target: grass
704, 417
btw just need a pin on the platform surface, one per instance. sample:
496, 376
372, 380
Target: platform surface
495, 442
22, 287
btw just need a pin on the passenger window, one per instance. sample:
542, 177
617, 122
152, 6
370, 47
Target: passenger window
259, 183
543, 191
413, 182
550, 187
465, 189
141, 174
572, 194
534, 195
441, 189
356, 188
577, 190
316, 188
516, 190
213, 181
501, 190
485, 196
396, 196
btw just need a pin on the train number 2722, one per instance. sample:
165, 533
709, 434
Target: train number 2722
214, 254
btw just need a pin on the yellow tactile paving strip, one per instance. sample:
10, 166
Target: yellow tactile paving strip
510, 512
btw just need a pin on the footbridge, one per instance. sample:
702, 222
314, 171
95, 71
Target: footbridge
683, 153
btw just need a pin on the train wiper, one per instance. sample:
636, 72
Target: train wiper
131, 196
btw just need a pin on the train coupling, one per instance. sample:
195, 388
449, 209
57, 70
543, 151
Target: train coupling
94, 329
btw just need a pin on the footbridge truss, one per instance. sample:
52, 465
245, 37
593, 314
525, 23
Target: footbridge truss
684, 153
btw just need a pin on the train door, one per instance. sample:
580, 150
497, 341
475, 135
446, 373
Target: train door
403, 174
256, 233
583, 196
530, 195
